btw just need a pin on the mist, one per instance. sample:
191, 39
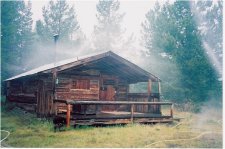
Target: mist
213, 49
128, 46
170, 46
211, 113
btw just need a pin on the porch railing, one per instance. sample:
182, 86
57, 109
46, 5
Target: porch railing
131, 103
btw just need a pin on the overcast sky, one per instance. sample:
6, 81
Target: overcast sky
86, 13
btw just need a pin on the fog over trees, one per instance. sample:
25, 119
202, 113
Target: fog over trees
182, 42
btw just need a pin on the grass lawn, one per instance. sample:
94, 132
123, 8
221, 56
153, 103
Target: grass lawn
28, 131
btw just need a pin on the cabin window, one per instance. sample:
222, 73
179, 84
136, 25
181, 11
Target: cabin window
81, 84
141, 87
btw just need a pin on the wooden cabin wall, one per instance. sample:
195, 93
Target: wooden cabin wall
115, 84
23, 93
77, 88
122, 90
101, 87
45, 97
154, 97
122, 94
36, 94
142, 97
108, 86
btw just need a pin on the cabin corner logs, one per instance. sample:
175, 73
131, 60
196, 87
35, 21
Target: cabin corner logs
36, 94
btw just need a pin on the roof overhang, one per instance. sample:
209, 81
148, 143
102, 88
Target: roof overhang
107, 63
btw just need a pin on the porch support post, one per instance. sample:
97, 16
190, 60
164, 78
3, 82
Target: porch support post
149, 87
132, 113
149, 95
68, 116
159, 87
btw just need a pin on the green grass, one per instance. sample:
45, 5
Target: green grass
28, 131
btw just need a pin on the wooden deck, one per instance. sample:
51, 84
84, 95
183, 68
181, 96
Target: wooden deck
114, 117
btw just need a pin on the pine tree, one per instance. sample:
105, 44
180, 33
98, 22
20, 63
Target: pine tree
16, 31
173, 30
27, 36
59, 18
156, 39
108, 31
209, 15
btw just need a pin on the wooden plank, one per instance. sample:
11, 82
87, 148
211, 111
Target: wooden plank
159, 87
137, 95
146, 120
21, 99
121, 70
132, 113
117, 116
149, 87
68, 116
113, 102
122, 121
133, 66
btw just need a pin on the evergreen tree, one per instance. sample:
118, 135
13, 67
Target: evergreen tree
108, 31
16, 31
172, 29
59, 18
159, 61
27, 36
210, 15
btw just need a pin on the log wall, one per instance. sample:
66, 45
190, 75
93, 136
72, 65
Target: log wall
77, 88
45, 97
37, 94
154, 97
101, 87
142, 97
23, 93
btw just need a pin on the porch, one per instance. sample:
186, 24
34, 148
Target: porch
114, 116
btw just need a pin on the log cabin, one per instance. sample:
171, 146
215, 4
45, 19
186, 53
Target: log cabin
93, 89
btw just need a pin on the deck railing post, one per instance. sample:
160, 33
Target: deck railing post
132, 113
68, 116
171, 111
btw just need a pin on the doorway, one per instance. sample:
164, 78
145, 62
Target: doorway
107, 93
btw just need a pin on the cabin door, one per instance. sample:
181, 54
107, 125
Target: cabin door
108, 94
44, 101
